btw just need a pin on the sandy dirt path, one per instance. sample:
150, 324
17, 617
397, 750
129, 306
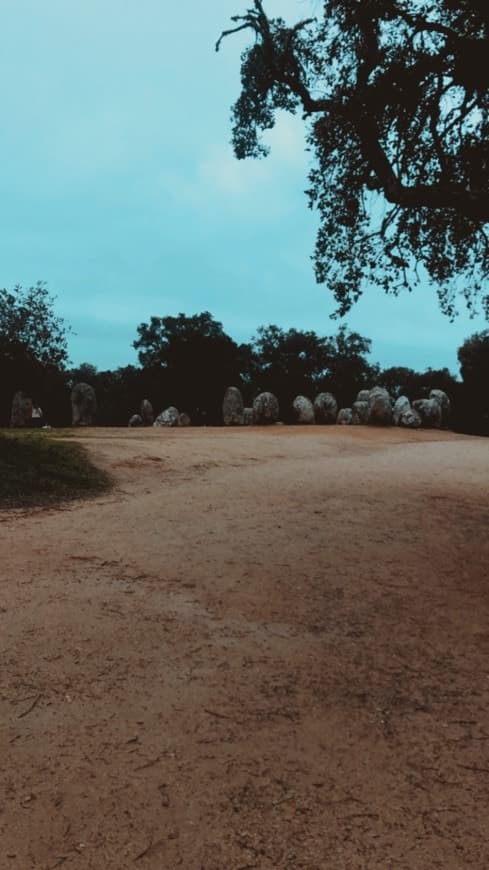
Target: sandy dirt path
262, 649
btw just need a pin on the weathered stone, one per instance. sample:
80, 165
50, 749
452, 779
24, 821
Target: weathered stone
247, 416
83, 405
303, 410
265, 409
363, 396
444, 401
325, 408
410, 419
401, 406
21, 414
184, 419
379, 407
232, 407
345, 417
169, 417
135, 420
359, 412
430, 412
147, 412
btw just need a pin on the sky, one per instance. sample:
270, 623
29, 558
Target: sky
119, 188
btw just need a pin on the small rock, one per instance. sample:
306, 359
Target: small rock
135, 420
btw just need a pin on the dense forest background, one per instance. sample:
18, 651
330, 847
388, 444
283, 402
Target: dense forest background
189, 361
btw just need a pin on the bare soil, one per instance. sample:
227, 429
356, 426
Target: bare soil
263, 649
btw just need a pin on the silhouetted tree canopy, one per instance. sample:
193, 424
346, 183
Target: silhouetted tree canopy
295, 362
196, 359
30, 329
396, 97
473, 356
33, 350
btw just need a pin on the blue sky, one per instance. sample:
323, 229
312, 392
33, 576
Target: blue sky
119, 188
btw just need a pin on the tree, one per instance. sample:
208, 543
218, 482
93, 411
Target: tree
295, 362
195, 359
288, 363
395, 94
401, 381
30, 329
33, 351
473, 357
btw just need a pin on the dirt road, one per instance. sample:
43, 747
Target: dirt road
263, 649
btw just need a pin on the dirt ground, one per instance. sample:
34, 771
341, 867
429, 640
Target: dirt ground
263, 649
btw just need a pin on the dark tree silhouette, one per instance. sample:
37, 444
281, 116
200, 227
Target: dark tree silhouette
196, 358
473, 357
396, 96
33, 351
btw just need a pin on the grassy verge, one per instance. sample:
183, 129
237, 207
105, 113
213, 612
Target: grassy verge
38, 470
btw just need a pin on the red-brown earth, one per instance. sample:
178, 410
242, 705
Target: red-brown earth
262, 649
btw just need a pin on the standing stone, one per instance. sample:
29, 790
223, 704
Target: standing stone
83, 405
401, 406
169, 417
21, 414
379, 407
345, 417
135, 420
363, 396
444, 401
184, 419
325, 408
359, 412
430, 412
147, 412
410, 419
232, 407
265, 409
303, 410
247, 416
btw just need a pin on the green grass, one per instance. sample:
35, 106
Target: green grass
37, 470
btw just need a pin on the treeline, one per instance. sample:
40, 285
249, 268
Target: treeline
188, 361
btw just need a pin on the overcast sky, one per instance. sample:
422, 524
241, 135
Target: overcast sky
118, 186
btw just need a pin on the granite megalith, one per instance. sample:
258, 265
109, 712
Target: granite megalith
325, 408
379, 407
303, 410
345, 417
147, 413
265, 409
232, 407
83, 405
21, 413
169, 417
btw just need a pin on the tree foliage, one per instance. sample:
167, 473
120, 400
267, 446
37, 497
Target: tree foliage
30, 329
473, 357
33, 351
396, 97
295, 362
193, 359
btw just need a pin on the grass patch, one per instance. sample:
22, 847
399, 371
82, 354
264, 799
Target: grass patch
37, 470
